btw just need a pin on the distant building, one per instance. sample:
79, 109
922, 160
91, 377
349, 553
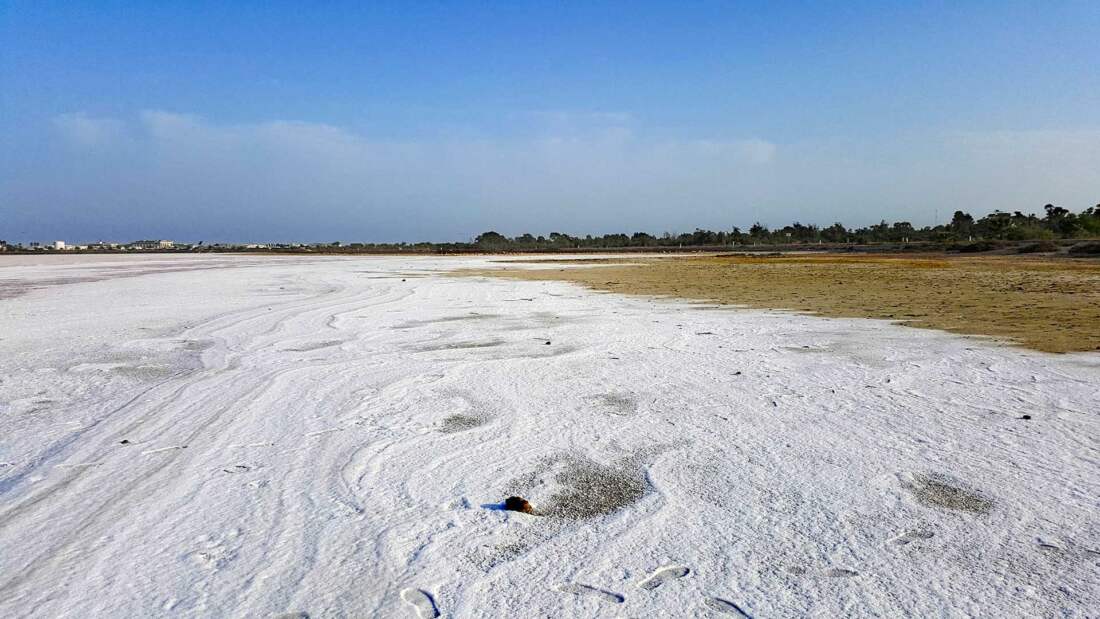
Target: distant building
59, 244
158, 244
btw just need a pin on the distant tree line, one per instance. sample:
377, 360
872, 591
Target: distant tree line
1056, 223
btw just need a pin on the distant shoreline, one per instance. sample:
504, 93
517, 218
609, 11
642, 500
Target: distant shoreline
989, 247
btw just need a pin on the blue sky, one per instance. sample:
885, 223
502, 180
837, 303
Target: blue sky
409, 121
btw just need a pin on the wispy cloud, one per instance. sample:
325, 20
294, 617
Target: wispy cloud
590, 167
85, 131
573, 172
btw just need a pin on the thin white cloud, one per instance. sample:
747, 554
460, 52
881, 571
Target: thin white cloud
83, 130
290, 179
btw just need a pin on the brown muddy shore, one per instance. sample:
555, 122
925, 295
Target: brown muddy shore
1046, 304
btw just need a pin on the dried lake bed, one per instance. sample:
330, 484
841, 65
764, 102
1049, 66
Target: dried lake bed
202, 435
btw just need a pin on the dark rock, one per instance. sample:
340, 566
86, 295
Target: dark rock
518, 504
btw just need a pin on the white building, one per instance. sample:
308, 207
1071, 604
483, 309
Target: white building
158, 244
59, 244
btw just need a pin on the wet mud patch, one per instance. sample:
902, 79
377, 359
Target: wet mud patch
942, 492
462, 345
309, 346
11, 288
572, 487
413, 324
195, 345
145, 360
149, 372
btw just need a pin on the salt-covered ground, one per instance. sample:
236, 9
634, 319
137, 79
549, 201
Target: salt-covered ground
252, 436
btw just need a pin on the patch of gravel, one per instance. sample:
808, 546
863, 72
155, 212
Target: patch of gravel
622, 404
935, 490
577, 488
458, 423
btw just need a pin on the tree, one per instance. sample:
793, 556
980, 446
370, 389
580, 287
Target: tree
1054, 213
559, 239
835, 233
962, 223
995, 224
491, 239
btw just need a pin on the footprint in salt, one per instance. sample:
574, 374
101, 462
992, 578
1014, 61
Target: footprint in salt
726, 607
585, 590
421, 602
839, 572
662, 575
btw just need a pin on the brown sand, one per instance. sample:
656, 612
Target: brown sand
1046, 304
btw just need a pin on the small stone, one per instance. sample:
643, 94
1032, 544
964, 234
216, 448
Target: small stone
1025, 416
124, 442
518, 504
547, 342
